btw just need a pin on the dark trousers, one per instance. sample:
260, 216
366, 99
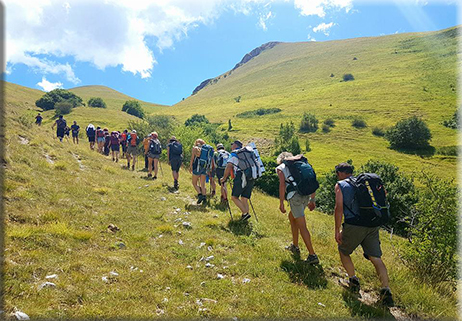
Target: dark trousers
146, 162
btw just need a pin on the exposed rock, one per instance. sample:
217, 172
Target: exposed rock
46, 285
113, 228
52, 276
21, 315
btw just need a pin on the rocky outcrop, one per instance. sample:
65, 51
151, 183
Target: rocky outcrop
244, 60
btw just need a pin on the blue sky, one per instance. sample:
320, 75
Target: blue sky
159, 51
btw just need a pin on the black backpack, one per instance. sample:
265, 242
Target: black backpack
370, 196
303, 178
247, 162
155, 147
61, 123
176, 148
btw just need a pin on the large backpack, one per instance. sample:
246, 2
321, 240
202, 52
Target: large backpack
205, 157
222, 159
133, 139
90, 131
248, 164
370, 196
61, 123
176, 148
302, 177
99, 133
155, 147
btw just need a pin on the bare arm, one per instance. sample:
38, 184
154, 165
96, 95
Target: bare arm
168, 154
282, 190
228, 169
192, 160
338, 213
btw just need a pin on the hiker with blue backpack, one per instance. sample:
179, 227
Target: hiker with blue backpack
91, 134
154, 151
60, 124
297, 185
361, 202
201, 162
220, 159
245, 167
175, 158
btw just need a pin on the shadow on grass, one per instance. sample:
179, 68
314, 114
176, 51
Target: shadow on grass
364, 310
422, 152
196, 207
239, 227
313, 276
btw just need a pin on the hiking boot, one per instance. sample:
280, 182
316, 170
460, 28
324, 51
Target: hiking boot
176, 185
117, 160
199, 198
294, 249
133, 167
113, 159
386, 298
149, 175
353, 283
128, 166
245, 217
155, 177
213, 193
312, 259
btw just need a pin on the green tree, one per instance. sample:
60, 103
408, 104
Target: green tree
48, 101
348, 77
96, 102
229, 125
409, 133
196, 119
133, 107
309, 123
63, 108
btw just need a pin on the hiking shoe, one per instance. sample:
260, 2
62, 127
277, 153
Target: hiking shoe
386, 298
149, 175
353, 283
199, 199
245, 217
155, 177
176, 185
133, 167
213, 193
312, 259
294, 249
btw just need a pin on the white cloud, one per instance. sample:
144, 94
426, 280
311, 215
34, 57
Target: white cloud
319, 7
324, 27
311, 38
108, 33
49, 86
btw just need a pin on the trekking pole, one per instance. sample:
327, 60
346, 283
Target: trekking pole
227, 204
253, 209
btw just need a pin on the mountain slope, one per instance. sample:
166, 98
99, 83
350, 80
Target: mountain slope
395, 77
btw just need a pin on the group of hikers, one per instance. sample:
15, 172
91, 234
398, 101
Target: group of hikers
360, 201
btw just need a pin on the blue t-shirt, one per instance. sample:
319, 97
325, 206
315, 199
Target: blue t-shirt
350, 207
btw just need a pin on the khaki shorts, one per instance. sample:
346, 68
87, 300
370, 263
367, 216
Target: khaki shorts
367, 237
132, 150
298, 203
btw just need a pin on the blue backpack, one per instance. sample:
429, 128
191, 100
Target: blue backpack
205, 158
302, 177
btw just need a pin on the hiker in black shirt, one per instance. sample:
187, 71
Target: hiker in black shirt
61, 125
75, 132
38, 119
175, 158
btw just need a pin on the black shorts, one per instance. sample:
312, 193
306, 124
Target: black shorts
175, 164
91, 139
75, 134
245, 191
220, 172
115, 148
60, 132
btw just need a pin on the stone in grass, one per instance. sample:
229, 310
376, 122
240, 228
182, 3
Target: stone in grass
210, 248
208, 258
246, 280
208, 265
203, 283
220, 276
163, 198
52, 276
201, 245
105, 279
180, 242
121, 245
46, 285
21, 315
187, 225
113, 228
189, 267
323, 305
112, 273
160, 311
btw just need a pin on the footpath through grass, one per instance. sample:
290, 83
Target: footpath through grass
60, 199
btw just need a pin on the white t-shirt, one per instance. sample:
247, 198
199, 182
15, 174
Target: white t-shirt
283, 168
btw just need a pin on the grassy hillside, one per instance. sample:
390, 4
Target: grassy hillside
395, 77
60, 198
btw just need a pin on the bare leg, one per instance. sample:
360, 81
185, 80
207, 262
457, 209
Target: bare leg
195, 179
294, 228
301, 224
203, 189
150, 160
347, 264
239, 204
381, 270
156, 166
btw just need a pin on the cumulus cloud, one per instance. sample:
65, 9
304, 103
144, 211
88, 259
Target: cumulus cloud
323, 27
311, 38
49, 86
51, 36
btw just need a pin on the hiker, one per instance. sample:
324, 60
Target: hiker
100, 139
38, 119
146, 149
60, 124
291, 187
211, 177
154, 151
220, 159
75, 132
175, 158
91, 134
67, 131
246, 169
360, 228
200, 162
123, 142
107, 141
114, 144
132, 149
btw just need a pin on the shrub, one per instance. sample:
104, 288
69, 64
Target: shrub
96, 102
287, 141
325, 128
258, 112
63, 108
348, 77
133, 107
358, 123
377, 131
309, 123
237, 99
307, 145
432, 248
196, 119
453, 122
230, 126
164, 125
329, 122
410, 133
48, 101
332, 75
448, 150
269, 181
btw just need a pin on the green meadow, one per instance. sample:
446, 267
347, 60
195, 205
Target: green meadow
60, 198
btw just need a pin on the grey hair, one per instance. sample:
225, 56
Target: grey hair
283, 156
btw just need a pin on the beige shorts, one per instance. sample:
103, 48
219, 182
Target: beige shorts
298, 203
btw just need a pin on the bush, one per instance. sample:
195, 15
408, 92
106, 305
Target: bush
133, 107
325, 128
230, 126
287, 141
376, 131
329, 122
164, 125
269, 182
410, 133
96, 102
63, 108
307, 145
309, 123
196, 119
258, 112
348, 77
48, 101
453, 122
237, 99
432, 248
358, 123
448, 150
